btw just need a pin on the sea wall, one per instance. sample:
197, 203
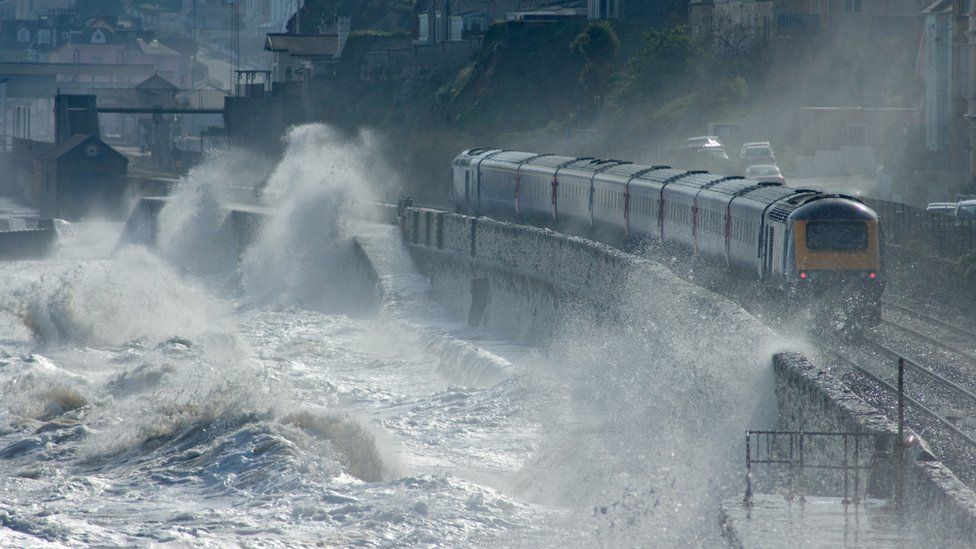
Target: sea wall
518, 280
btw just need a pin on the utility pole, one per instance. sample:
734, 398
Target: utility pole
971, 92
237, 35
958, 96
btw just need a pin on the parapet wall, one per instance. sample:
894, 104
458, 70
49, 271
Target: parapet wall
812, 399
522, 268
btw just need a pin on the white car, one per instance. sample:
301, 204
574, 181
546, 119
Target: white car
943, 208
965, 209
765, 172
757, 153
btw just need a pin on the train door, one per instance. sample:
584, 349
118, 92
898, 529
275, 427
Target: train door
767, 253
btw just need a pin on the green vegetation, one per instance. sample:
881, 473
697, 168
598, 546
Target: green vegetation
600, 46
522, 78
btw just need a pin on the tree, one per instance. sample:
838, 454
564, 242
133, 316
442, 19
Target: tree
599, 46
669, 60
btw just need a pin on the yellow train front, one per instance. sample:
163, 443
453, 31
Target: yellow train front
835, 258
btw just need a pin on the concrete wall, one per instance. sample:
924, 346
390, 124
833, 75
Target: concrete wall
527, 268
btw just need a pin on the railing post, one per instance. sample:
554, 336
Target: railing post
900, 460
792, 471
846, 499
857, 467
803, 475
748, 497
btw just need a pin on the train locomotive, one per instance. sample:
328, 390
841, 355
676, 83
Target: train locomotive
820, 249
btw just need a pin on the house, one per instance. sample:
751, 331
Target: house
33, 40
101, 44
455, 20
172, 64
298, 55
79, 177
619, 9
943, 65
755, 18
791, 18
30, 9
841, 141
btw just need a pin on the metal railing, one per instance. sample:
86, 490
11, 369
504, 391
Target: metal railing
844, 462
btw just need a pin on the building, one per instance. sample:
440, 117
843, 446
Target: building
34, 40
619, 9
30, 9
945, 66
79, 177
844, 141
102, 44
456, 20
298, 56
792, 18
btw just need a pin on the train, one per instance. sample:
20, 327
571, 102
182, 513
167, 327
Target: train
814, 248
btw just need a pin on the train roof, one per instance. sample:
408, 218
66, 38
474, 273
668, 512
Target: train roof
734, 187
511, 157
668, 175
557, 161
598, 164
833, 207
768, 194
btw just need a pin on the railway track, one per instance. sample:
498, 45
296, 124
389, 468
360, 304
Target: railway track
938, 343
911, 401
965, 332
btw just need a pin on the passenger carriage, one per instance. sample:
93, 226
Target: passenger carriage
810, 243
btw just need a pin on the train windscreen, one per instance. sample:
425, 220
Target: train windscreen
837, 236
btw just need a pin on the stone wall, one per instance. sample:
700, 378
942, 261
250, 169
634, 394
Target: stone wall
526, 268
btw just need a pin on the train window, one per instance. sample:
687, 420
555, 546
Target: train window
837, 236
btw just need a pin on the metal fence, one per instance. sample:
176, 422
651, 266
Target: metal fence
920, 230
797, 463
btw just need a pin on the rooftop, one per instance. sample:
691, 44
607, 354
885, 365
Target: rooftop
303, 44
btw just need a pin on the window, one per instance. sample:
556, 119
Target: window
44, 36
853, 6
23, 35
837, 236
